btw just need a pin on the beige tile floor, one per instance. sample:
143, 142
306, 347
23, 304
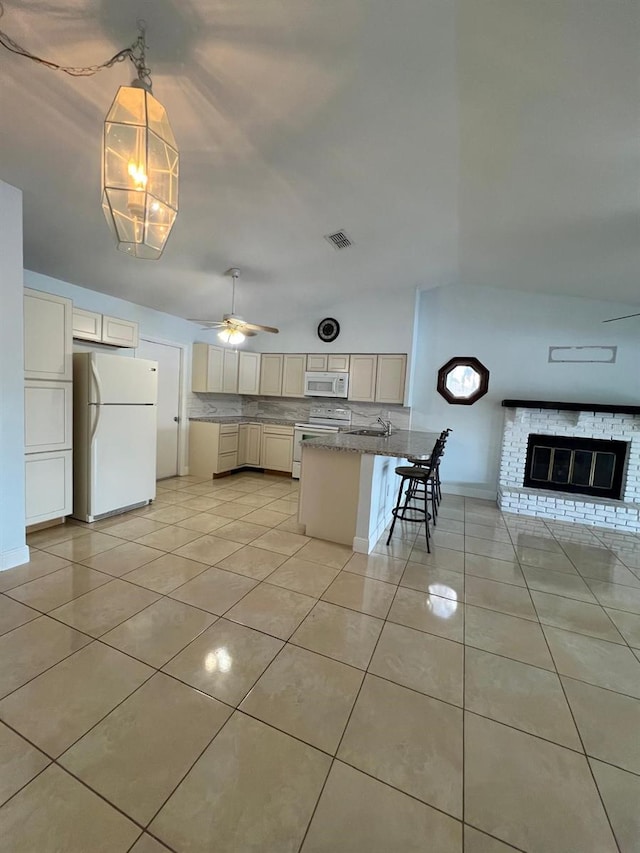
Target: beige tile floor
199, 675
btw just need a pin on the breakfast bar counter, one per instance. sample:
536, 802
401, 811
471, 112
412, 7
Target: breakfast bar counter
348, 483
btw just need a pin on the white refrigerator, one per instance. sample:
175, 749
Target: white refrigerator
114, 433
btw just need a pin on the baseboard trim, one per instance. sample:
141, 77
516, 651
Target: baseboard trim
14, 557
466, 492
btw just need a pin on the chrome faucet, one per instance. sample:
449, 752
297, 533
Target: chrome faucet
386, 425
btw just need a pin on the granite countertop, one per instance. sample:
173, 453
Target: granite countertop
244, 419
400, 444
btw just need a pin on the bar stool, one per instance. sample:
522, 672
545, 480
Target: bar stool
420, 486
422, 461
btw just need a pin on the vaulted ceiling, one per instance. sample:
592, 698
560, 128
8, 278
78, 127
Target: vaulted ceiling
477, 142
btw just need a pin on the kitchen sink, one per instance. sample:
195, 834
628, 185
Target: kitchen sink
373, 432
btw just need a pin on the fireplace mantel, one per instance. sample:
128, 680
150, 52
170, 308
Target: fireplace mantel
571, 407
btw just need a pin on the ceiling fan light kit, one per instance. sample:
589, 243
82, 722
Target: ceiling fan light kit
139, 154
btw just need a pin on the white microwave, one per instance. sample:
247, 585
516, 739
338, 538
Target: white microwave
326, 384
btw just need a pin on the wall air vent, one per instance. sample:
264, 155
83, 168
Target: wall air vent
339, 240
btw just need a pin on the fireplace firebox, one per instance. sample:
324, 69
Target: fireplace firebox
585, 466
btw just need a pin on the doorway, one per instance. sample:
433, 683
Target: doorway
169, 358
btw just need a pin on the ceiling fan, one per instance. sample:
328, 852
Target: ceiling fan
625, 317
233, 329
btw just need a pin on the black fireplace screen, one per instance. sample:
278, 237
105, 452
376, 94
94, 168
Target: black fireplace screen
585, 466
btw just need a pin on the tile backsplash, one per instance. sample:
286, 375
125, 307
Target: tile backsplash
296, 409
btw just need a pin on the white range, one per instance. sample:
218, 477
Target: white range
322, 419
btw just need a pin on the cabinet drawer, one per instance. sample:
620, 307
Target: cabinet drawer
277, 429
228, 443
48, 486
47, 416
227, 461
229, 429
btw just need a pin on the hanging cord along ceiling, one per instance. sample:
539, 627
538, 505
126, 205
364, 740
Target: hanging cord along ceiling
140, 157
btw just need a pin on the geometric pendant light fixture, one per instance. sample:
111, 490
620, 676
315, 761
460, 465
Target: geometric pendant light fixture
140, 160
140, 164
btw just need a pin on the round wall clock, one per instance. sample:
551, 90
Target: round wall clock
328, 330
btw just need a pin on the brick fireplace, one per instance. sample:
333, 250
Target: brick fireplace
581, 449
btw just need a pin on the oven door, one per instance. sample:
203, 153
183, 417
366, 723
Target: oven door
299, 434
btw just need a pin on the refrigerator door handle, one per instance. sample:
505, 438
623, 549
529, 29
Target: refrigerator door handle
96, 381
95, 410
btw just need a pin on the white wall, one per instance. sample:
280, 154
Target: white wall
370, 321
13, 550
511, 333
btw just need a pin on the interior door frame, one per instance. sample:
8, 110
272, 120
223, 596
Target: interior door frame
183, 423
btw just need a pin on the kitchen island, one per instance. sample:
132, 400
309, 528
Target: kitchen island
348, 483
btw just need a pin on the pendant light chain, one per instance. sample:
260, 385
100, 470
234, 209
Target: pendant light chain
135, 52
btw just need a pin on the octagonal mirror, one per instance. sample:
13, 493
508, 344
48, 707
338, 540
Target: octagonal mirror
463, 380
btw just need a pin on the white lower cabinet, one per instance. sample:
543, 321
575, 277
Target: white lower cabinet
277, 448
48, 421
213, 448
48, 485
249, 440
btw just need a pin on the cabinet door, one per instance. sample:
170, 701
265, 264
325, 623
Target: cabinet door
277, 452
215, 369
315, 361
47, 336
338, 363
362, 378
249, 373
199, 357
119, 333
47, 416
48, 486
87, 325
293, 375
203, 448
230, 371
243, 437
391, 374
271, 374
254, 440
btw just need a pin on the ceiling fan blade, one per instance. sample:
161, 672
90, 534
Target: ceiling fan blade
626, 317
206, 322
258, 328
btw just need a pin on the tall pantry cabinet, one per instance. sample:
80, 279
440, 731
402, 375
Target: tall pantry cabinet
48, 422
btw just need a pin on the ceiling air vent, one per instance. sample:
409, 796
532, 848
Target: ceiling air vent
338, 240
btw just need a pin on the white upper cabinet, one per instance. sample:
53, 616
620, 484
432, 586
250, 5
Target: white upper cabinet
47, 336
119, 333
338, 363
316, 361
332, 363
207, 369
230, 371
390, 380
362, 378
87, 325
293, 375
249, 373
271, 367
91, 326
